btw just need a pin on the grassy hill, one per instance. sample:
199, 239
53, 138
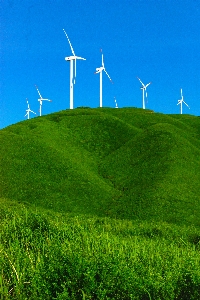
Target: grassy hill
100, 204
124, 163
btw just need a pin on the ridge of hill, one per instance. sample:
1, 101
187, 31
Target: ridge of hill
125, 163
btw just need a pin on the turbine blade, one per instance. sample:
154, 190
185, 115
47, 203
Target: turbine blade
78, 57
102, 61
140, 81
38, 91
69, 43
75, 71
108, 75
45, 100
185, 103
147, 84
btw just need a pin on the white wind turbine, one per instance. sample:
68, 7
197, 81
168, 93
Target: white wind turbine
181, 102
143, 88
41, 99
99, 70
72, 60
28, 110
116, 106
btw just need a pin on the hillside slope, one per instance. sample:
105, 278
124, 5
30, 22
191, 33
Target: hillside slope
124, 163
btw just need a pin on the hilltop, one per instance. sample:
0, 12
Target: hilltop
123, 163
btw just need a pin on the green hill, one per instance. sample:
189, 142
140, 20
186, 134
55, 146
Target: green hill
125, 163
100, 204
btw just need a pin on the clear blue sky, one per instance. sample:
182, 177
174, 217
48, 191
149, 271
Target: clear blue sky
158, 41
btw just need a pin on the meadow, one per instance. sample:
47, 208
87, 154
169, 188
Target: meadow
100, 204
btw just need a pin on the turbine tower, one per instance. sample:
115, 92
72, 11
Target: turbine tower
143, 88
72, 59
28, 110
181, 103
41, 99
116, 106
99, 70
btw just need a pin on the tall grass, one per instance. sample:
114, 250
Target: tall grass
54, 256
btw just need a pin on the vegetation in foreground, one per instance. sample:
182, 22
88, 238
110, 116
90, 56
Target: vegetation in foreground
55, 256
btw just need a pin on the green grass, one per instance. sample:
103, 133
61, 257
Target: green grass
46, 255
100, 204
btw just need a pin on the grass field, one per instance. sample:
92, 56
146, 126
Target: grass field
100, 204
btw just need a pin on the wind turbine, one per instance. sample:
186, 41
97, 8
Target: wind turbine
182, 101
41, 99
116, 106
99, 70
28, 110
72, 59
143, 88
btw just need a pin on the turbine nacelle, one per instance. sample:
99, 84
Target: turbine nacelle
98, 70
68, 58
144, 87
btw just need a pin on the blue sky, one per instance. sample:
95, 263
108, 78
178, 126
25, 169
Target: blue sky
158, 41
